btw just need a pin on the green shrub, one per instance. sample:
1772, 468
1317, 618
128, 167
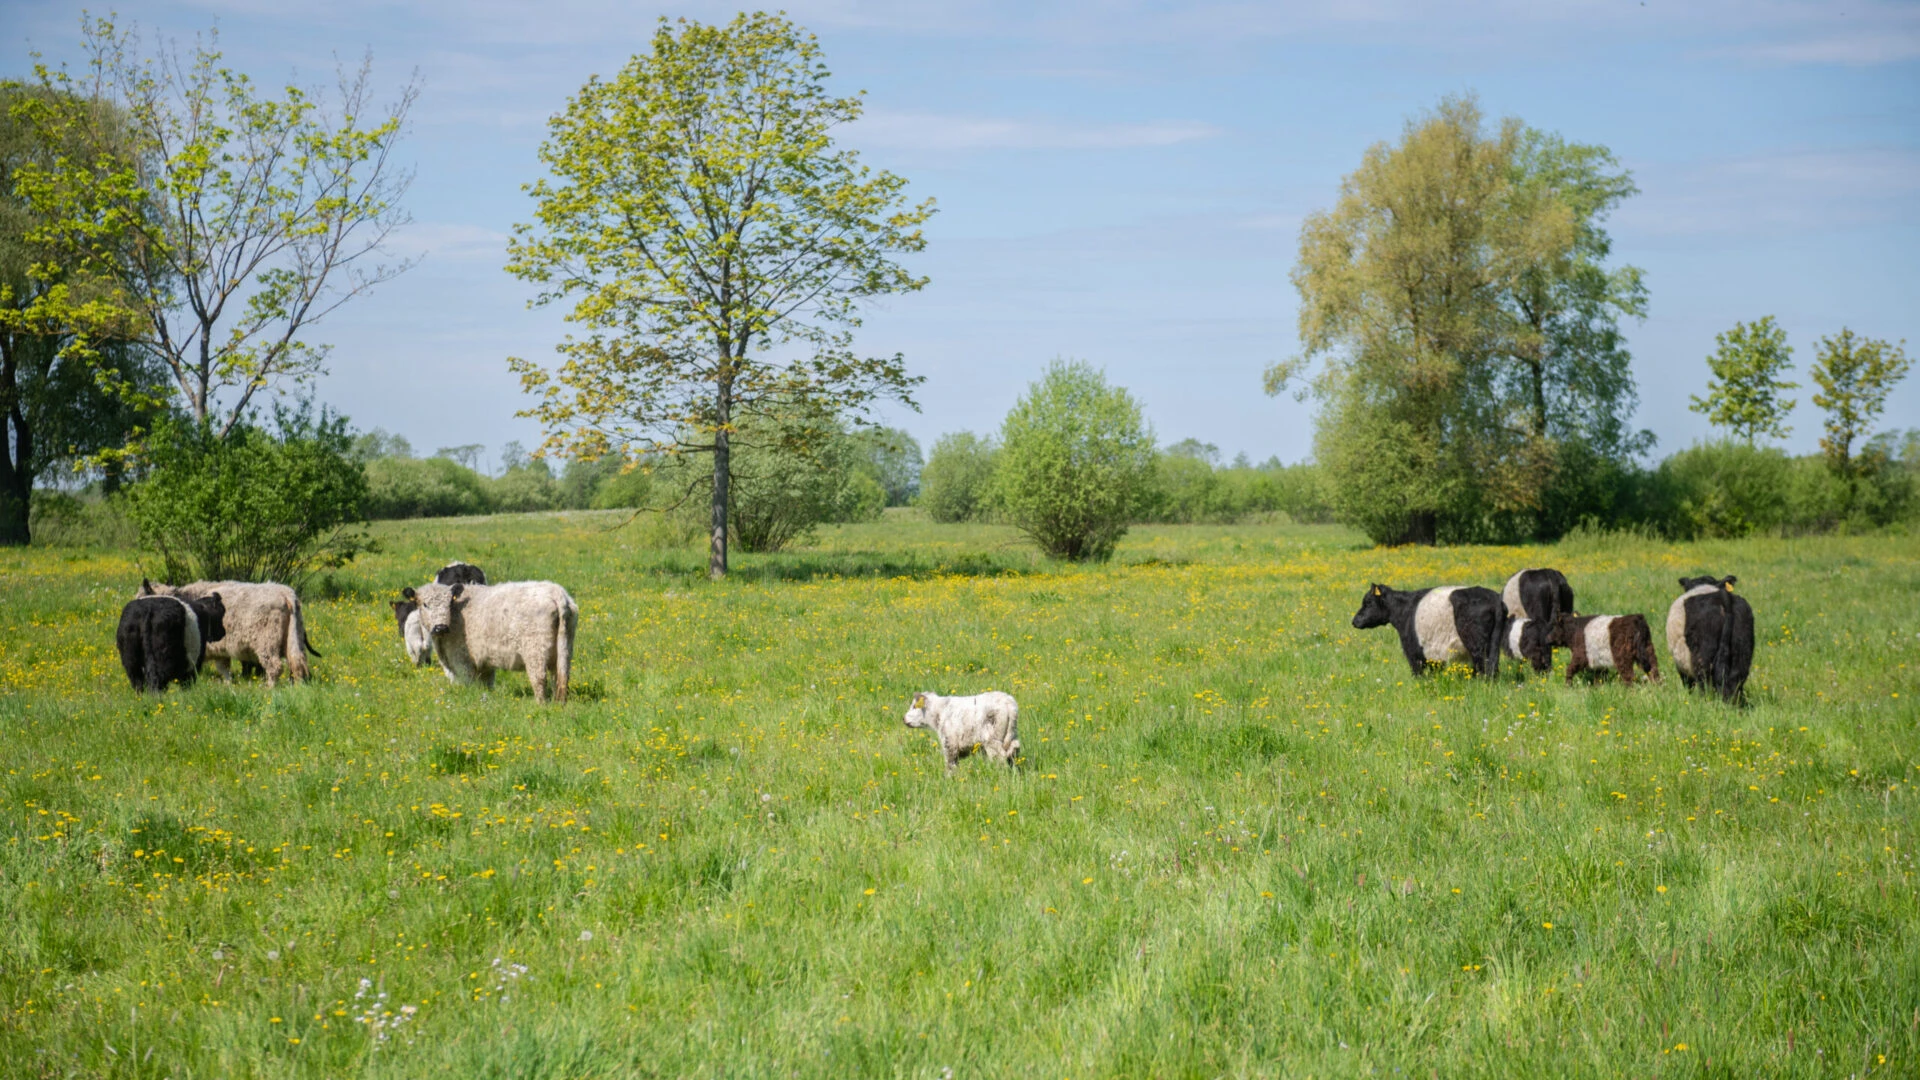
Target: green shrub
1075, 464
423, 487
254, 505
525, 488
64, 519
956, 484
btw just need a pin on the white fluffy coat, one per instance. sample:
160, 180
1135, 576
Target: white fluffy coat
520, 626
986, 722
265, 626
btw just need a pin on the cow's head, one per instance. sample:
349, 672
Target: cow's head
1373, 609
413, 634
1560, 634
1724, 584
917, 712
437, 605
211, 612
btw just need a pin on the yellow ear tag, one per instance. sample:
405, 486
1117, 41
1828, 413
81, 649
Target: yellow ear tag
1376, 590
1728, 587
920, 701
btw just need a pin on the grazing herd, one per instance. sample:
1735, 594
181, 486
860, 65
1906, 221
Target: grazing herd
1709, 630
475, 629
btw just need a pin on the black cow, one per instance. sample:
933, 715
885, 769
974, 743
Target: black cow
1710, 634
1538, 594
460, 573
1440, 625
162, 639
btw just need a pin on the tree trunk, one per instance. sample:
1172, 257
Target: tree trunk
16, 458
722, 474
1421, 528
16, 481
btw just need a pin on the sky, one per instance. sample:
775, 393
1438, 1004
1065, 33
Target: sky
1123, 182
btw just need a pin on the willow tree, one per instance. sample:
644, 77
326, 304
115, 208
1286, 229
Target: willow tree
1459, 295
716, 246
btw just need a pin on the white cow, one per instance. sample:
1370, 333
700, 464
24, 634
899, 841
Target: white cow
520, 626
965, 724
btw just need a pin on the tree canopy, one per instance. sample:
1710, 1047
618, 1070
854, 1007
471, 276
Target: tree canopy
716, 245
233, 221
1459, 294
1746, 393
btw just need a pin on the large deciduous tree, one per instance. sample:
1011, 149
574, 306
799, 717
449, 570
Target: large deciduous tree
1459, 294
716, 245
235, 220
1746, 393
69, 386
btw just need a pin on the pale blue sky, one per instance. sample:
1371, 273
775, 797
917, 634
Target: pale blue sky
1123, 182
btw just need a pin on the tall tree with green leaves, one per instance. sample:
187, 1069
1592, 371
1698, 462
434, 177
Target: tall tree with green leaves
1854, 376
1460, 296
70, 387
234, 221
1746, 393
717, 245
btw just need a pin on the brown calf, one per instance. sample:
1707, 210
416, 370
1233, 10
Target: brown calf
1606, 642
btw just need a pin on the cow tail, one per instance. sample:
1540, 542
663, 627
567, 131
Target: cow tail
1501, 628
296, 644
563, 649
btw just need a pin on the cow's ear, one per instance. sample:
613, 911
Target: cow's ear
407, 592
919, 701
146, 587
457, 590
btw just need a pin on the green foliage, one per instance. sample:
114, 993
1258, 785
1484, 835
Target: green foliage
423, 487
1744, 395
1189, 488
234, 220
69, 387
1733, 489
1450, 406
1854, 376
788, 480
1201, 726
715, 245
1075, 463
957, 482
892, 458
378, 443
252, 505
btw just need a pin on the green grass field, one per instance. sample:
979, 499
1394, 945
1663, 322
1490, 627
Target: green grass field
1244, 841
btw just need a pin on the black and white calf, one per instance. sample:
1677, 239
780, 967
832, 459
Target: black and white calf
1710, 633
162, 639
1534, 598
1441, 625
1606, 643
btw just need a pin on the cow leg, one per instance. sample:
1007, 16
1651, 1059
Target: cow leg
1574, 667
1649, 663
1416, 656
270, 667
134, 664
537, 675
485, 677
224, 666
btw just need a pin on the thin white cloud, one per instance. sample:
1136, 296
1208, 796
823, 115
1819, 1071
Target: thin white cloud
447, 240
1811, 189
936, 131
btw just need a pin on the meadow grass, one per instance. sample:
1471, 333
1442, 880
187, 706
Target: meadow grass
1244, 841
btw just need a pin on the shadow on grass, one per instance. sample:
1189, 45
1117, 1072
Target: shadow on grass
812, 565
